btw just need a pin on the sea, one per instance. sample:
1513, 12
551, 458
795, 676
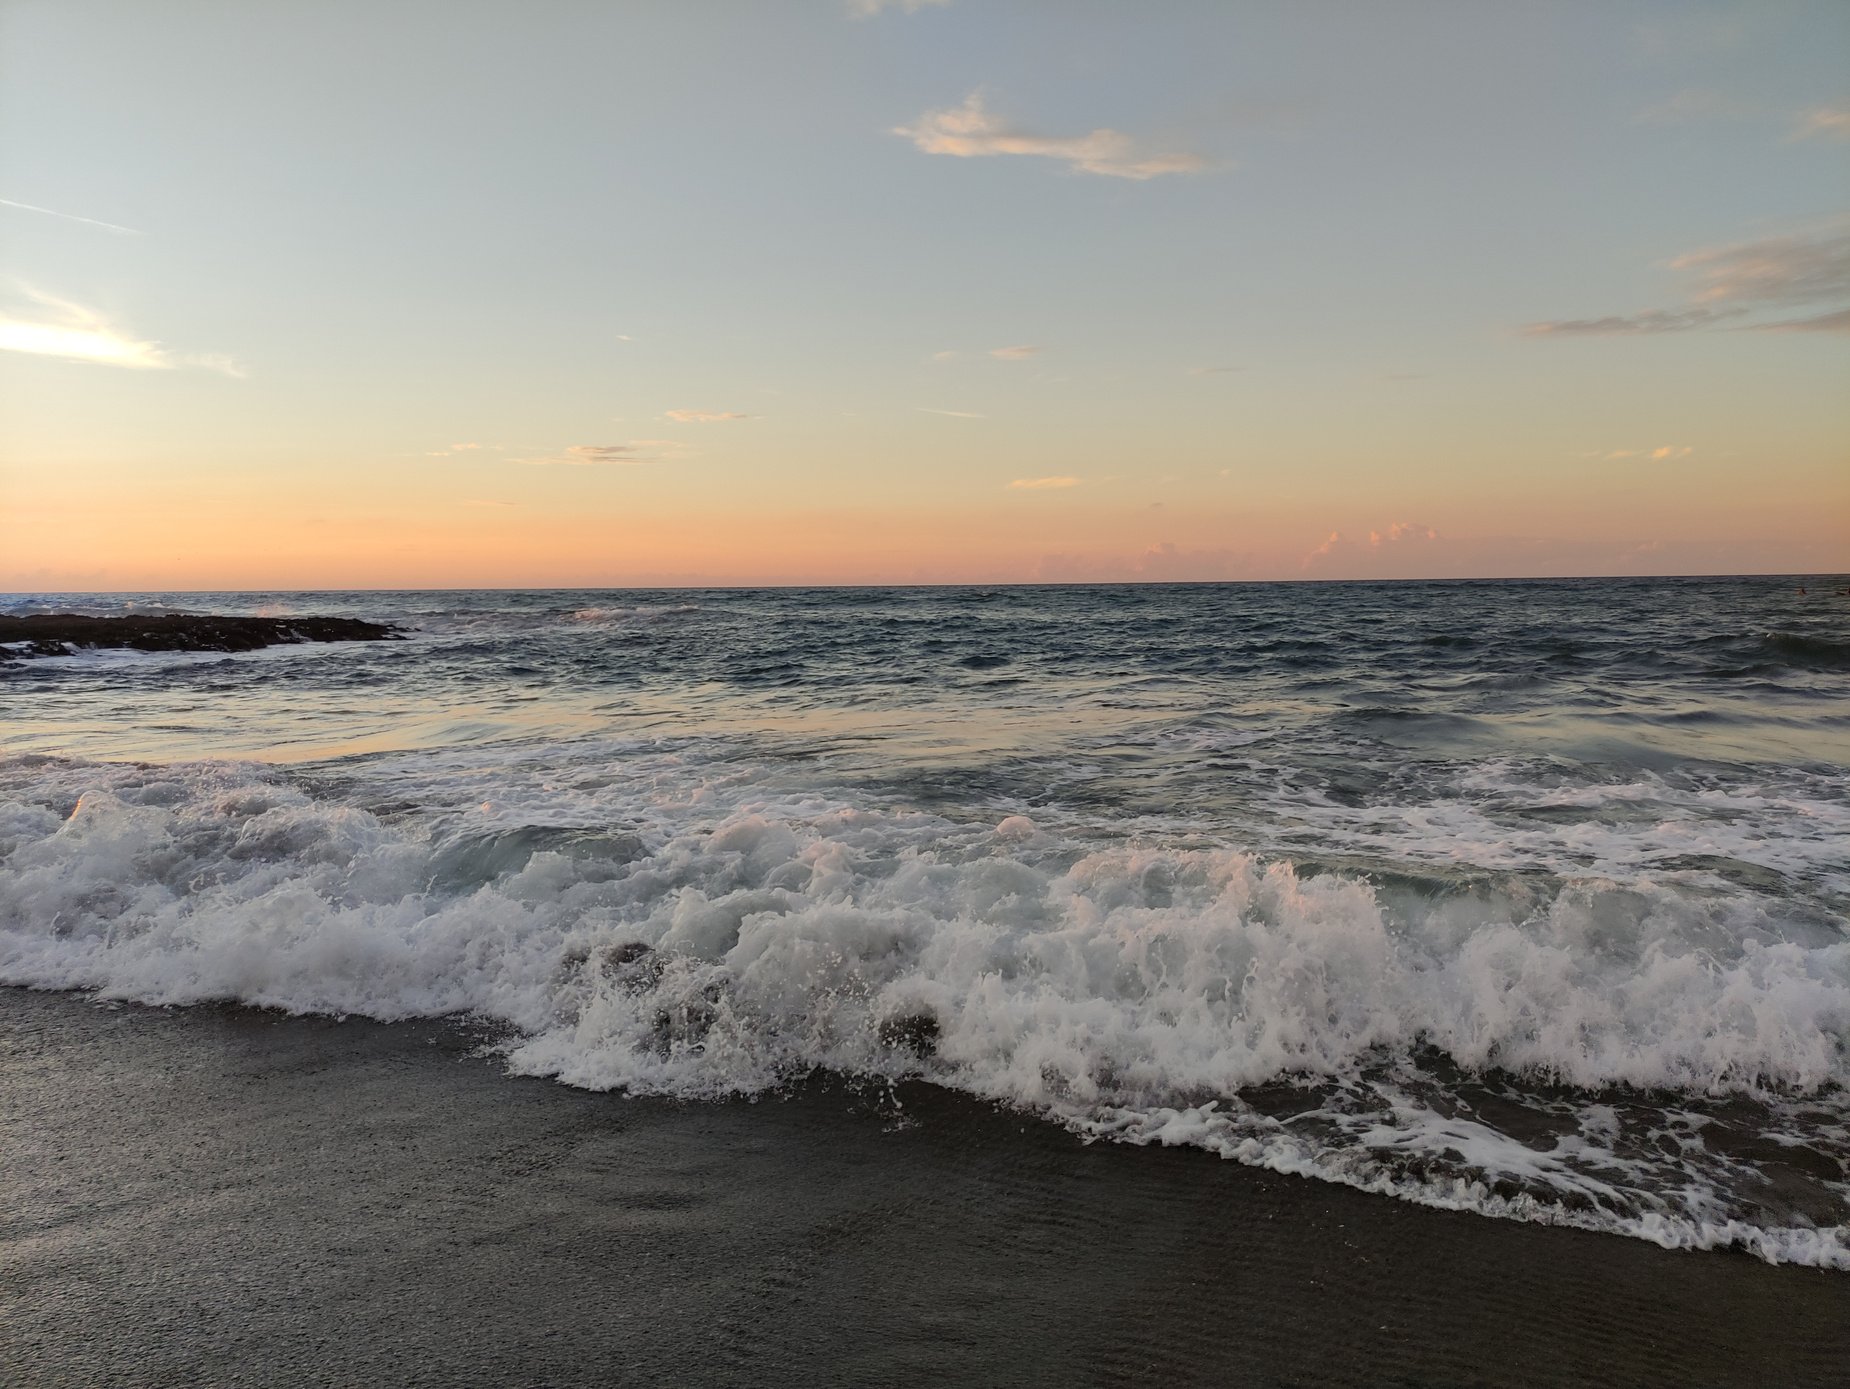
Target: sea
1524, 898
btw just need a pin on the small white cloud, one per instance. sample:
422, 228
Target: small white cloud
1015, 354
954, 414
704, 416
949, 354
970, 132
1662, 453
1043, 484
1400, 532
219, 362
76, 334
631, 454
1402, 538
463, 448
1824, 123
1328, 547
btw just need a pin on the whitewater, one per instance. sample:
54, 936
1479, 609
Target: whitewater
1531, 899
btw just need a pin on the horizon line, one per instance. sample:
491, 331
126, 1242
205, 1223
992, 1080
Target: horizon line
957, 584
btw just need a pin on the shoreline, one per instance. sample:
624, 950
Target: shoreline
207, 1193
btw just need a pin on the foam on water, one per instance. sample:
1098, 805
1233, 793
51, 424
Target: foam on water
1597, 1016
1528, 898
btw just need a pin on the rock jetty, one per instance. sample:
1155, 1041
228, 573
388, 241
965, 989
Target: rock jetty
61, 634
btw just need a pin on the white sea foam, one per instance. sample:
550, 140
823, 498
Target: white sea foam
643, 612
666, 922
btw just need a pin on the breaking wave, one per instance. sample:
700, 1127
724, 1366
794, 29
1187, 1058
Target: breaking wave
1645, 1047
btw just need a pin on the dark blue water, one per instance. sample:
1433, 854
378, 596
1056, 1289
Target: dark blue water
1529, 897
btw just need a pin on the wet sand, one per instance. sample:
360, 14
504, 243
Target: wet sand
217, 1196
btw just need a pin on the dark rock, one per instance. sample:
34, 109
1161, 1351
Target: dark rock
55, 634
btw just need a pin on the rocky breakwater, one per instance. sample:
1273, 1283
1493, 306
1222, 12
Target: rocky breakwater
63, 634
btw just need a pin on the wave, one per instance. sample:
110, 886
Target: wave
1804, 651
638, 613
665, 929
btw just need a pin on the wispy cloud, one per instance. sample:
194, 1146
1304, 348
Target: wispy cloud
633, 453
1015, 354
1043, 484
59, 328
970, 131
867, 9
1797, 269
71, 217
1661, 454
1621, 325
704, 416
1807, 269
1837, 321
463, 448
954, 414
216, 361
1824, 123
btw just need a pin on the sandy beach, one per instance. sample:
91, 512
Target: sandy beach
228, 1196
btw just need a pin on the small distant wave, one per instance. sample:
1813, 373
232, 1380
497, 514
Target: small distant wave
644, 613
1805, 651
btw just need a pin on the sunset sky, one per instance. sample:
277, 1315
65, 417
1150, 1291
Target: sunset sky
459, 294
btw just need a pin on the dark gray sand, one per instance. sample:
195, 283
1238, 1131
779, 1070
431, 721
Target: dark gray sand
218, 1196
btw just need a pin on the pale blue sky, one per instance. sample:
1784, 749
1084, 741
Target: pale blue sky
361, 233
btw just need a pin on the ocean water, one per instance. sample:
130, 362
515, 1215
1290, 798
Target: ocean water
1528, 898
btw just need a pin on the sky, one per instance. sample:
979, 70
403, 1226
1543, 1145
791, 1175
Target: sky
458, 294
